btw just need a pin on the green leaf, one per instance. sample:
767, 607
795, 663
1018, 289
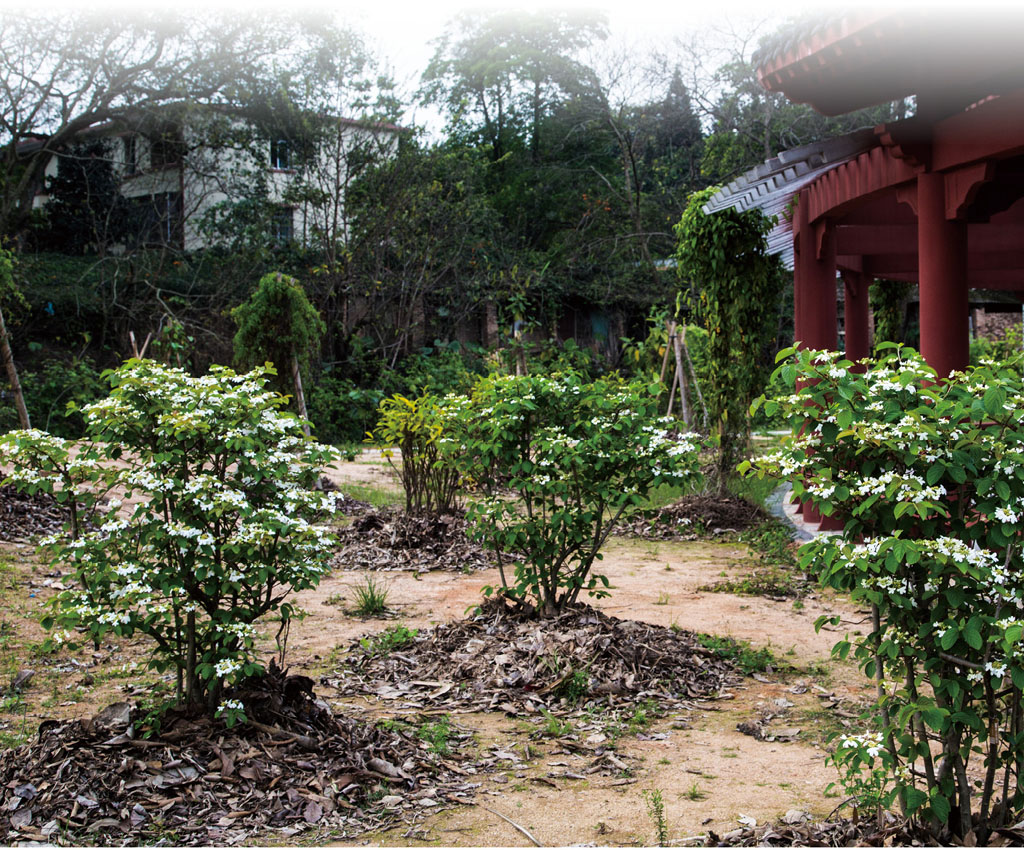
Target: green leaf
993, 401
940, 806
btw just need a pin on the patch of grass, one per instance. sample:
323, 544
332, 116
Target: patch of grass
773, 541
642, 717
663, 599
753, 489
379, 497
764, 581
436, 734
388, 640
554, 727
371, 597
12, 704
742, 654
337, 599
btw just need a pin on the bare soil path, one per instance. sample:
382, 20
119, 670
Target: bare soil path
708, 773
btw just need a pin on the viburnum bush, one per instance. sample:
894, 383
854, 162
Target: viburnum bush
929, 477
578, 455
215, 530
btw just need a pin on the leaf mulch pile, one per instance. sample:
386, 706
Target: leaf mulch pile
25, 518
695, 516
796, 829
503, 659
390, 539
294, 767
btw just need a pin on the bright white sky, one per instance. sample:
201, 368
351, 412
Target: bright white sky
400, 32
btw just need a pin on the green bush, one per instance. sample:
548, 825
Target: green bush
49, 389
929, 478
418, 429
579, 455
438, 370
220, 535
341, 412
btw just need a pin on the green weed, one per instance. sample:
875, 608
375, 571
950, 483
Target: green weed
695, 793
554, 727
388, 640
656, 812
742, 654
436, 734
371, 597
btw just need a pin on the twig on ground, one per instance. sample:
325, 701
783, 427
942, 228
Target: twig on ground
517, 826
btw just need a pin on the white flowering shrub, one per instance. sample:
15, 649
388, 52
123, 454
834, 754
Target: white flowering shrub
216, 529
579, 455
929, 477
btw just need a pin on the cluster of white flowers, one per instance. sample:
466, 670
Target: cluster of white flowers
226, 667
869, 742
1005, 515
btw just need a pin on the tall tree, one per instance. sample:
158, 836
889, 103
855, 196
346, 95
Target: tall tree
64, 71
498, 74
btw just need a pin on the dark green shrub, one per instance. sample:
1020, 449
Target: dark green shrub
49, 389
340, 411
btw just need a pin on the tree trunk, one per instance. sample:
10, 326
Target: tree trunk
300, 397
12, 374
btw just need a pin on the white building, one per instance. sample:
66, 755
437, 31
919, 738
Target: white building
181, 178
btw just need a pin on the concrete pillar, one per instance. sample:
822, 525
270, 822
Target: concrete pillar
942, 279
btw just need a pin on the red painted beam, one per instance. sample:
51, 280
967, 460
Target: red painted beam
870, 175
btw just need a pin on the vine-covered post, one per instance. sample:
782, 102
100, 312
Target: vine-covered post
733, 287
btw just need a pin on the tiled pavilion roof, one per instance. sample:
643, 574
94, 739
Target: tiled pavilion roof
770, 187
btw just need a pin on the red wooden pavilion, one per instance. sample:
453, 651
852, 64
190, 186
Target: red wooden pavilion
937, 198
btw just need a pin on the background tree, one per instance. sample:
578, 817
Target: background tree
66, 73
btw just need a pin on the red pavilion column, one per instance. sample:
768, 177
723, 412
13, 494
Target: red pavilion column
942, 278
857, 312
816, 267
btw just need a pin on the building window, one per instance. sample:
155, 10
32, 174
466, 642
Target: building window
131, 155
166, 149
282, 226
280, 154
157, 220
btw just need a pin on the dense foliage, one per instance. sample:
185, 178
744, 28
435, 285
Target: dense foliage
214, 530
929, 478
578, 455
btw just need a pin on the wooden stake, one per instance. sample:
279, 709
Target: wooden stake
12, 374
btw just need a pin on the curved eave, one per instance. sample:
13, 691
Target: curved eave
860, 59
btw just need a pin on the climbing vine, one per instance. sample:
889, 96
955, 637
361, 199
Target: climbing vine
733, 288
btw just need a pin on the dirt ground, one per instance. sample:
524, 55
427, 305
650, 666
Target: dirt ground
709, 774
